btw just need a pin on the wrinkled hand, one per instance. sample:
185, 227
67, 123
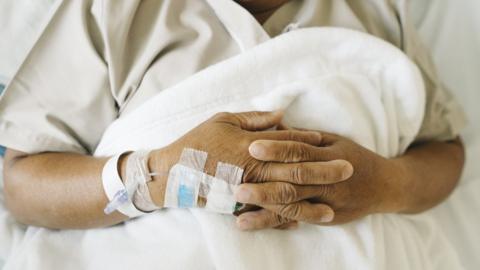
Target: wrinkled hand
226, 137
307, 196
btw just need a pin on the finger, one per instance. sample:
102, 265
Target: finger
330, 138
315, 213
276, 193
306, 173
306, 137
289, 151
251, 120
283, 126
261, 219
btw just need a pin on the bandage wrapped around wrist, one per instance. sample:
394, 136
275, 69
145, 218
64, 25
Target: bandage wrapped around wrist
132, 196
138, 176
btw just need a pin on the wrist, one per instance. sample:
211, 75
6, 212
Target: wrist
396, 191
159, 163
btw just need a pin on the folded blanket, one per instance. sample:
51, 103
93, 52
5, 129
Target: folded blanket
328, 79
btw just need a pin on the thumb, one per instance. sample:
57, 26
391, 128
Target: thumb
253, 121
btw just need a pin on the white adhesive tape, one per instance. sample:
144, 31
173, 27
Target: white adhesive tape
187, 181
220, 198
183, 186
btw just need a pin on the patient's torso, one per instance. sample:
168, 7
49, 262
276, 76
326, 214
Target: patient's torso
125, 52
185, 36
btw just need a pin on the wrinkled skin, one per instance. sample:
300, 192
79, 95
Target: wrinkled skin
371, 189
226, 137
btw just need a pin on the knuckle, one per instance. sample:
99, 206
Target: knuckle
254, 172
263, 172
303, 152
326, 192
287, 193
296, 173
291, 211
278, 219
287, 153
300, 173
284, 211
294, 135
248, 175
297, 152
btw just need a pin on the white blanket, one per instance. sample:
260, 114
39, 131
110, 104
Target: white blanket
327, 79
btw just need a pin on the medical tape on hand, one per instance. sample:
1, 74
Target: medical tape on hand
187, 182
184, 179
220, 196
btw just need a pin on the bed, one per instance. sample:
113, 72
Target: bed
452, 30
449, 28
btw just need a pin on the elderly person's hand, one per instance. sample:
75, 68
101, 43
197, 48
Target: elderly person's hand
226, 137
304, 195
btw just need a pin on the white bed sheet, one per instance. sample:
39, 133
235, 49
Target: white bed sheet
452, 30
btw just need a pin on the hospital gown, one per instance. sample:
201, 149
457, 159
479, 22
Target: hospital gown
85, 69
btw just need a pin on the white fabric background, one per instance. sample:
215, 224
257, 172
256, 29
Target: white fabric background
450, 28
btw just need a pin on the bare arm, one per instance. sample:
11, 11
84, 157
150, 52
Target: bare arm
57, 190
432, 170
63, 190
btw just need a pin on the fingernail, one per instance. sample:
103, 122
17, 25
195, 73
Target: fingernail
318, 137
257, 149
347, 171
242, 195
327, 217
244, 223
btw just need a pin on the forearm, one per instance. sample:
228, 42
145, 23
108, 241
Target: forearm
430, 172
57, 190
